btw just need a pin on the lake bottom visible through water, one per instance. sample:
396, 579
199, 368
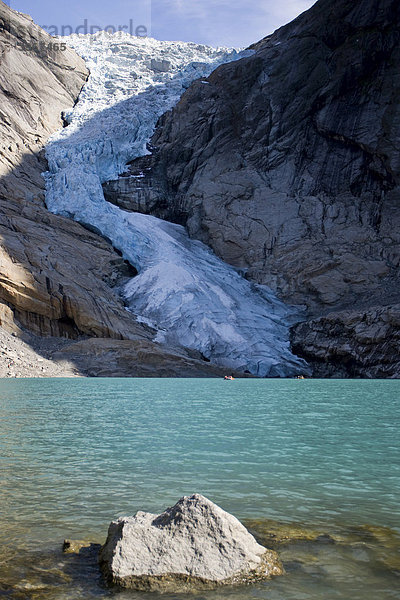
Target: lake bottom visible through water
311, 467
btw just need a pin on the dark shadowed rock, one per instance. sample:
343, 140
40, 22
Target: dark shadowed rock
194, 544
352, 343
102, 357
288, 162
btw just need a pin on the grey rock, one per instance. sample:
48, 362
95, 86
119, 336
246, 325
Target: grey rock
57, 278
194, 544
102, 357
136, 190
363, 343
37, 82
288, 163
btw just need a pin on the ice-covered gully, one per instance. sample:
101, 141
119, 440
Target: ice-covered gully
190, 296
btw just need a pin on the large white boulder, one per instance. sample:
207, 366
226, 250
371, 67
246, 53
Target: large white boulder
194, 544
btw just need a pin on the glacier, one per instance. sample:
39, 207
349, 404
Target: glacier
182, 289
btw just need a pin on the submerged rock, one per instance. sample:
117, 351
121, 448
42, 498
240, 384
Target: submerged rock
74, 546
194, 544
80, 547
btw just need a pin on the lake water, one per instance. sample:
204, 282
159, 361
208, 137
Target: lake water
312, 467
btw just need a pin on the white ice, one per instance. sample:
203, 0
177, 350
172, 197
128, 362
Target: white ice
189, 295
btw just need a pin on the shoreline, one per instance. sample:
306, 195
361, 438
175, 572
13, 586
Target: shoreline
30, 356
25, 355
72, 564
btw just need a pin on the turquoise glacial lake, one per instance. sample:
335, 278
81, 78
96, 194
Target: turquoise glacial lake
312, 467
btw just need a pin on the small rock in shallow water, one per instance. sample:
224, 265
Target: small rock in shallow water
325, 538
193, 545
75, 546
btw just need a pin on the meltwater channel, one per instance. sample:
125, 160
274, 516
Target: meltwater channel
312, 467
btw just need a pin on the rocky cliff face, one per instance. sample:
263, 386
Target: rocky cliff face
352, 343
56, 277
287, 163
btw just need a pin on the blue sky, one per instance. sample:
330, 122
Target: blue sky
214, 22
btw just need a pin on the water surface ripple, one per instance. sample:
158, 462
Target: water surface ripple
77, 453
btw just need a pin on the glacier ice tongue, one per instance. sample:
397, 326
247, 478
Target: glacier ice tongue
194, 298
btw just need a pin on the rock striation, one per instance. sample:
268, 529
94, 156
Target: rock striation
38, 80
363, 343
58, 278
287, 163
195, 544
101, 357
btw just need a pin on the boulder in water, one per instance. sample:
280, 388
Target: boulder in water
195, 544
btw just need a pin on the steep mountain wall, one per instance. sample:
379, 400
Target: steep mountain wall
287, 163
56, 277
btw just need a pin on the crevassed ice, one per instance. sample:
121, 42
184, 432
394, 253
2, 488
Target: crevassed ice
190, 296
